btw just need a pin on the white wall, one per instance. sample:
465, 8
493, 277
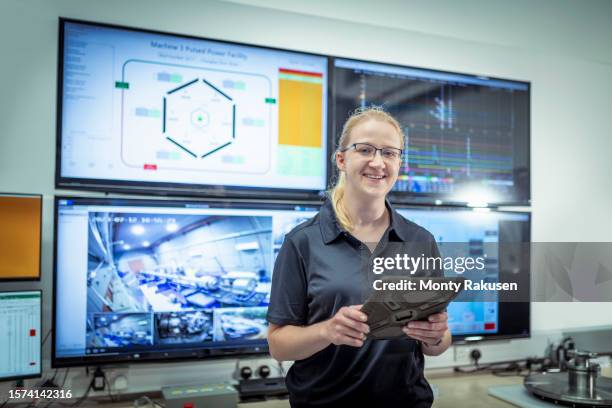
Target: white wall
561, 47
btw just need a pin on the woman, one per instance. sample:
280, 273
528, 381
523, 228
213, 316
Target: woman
318, 284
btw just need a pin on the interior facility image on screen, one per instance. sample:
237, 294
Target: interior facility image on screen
466, 137
20, 325
498, 238
153, 108
136, 276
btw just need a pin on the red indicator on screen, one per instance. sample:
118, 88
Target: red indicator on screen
489, 326
295, 72
150, 166
32, 332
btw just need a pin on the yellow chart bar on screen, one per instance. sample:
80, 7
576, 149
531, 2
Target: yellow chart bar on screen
20, 221
300, 108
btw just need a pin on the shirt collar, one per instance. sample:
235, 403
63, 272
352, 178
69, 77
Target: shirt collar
331, 229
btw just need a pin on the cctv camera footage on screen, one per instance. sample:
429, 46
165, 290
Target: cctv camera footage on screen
481, 234
157, 110
133, 278
467, 137
143, 279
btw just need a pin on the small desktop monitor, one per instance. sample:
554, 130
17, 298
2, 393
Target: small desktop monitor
466, 136
144, 280
165, 113
20, 339
20, 236
502, 240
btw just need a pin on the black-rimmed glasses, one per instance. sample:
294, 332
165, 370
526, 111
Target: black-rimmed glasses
366, 150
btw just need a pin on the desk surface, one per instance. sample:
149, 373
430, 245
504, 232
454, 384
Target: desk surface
453, 390
469, 390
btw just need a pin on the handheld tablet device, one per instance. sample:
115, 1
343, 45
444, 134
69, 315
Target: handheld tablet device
391, 309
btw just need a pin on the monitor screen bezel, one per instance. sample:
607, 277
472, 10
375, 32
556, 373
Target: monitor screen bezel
258, 347
38, 276
39, 374
409, 198
505, 306
171, 188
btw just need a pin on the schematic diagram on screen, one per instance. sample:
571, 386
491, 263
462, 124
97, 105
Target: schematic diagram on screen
210, 125
178, 117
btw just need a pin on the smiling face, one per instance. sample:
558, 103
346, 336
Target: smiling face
367, 176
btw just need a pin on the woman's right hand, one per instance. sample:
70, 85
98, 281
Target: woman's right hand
347, 327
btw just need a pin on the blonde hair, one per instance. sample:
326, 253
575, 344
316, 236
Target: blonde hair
360, 115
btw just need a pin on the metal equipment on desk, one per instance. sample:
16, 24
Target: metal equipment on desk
579, 386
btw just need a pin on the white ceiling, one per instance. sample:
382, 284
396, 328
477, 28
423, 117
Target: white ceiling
575, 28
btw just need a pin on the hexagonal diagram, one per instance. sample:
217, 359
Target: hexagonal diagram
199, 118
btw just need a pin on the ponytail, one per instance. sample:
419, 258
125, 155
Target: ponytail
337, 194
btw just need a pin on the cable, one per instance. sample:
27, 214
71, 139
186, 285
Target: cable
475, 369
108, 389
87, 391
48, 383
495, 368
281, 369
46, 337
61, 386
8, 399
510, 370
81, 398
54, 375
65, 376
144, 400
84, 397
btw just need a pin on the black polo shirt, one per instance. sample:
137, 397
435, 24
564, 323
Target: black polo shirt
321, 268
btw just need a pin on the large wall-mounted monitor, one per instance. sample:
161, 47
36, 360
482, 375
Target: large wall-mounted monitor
20, 342
173, 114
20, 236
467, 136
502, 239
143, 280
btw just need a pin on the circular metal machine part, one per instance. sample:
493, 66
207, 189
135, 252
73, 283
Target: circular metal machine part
581, 386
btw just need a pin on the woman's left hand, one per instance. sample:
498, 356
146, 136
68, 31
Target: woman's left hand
430, 332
